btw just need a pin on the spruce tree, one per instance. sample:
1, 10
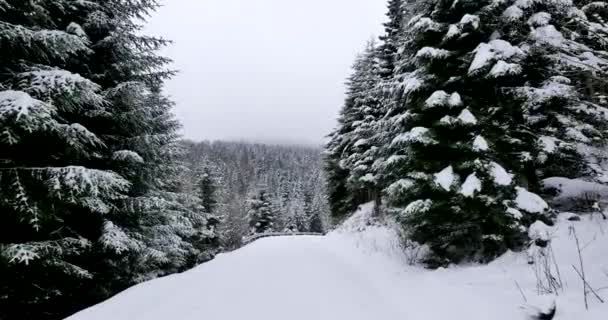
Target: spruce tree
99, 207
158, 229
54, 186
563, 96
446, 164
350, 152
207, 190
260, 215
387, 51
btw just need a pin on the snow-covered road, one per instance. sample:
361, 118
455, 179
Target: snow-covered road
273, 278
352, 274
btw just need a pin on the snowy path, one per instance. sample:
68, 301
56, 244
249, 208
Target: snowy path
273, 278
353, 276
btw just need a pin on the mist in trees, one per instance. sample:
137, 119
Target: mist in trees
260, 188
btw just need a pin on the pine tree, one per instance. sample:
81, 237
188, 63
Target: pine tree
260, 215
446, 163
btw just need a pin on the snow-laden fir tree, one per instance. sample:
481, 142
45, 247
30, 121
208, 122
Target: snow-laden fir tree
351, 150
558, 74
450, 182
170, 225
260, 215
314, 220
54, 185
207, 187
296, 219
88, 148
389, 46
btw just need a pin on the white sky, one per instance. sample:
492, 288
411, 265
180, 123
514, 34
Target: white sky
263, 70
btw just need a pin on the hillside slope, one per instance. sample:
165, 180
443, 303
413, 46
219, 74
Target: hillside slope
358, 272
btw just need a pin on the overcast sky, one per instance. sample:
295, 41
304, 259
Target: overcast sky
263, 70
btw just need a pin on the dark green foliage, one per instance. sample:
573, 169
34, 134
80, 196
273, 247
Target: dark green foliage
88, 173
353, 146
207, 190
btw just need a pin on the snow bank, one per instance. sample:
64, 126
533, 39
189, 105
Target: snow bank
575, 188
530, 202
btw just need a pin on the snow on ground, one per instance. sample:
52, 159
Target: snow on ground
360, 272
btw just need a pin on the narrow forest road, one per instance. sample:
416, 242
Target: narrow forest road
300, 277
359, 273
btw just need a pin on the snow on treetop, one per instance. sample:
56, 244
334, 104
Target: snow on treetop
54, 43
411, 82
446, 178
500, 175
42, 83
417, 134
437, 99
552, 88
502, 68
587, 60
548, 35
453, 31
361, 142
447, 120
455, 100
424, 24
26, 252
399, 187
525, 4
21, 105
75, 29
471, 185
529, 201
471, 20
368, 177
540, 19
74, 182
19, 109
577, 135
549, 144
127, 156
467, 117
497, 49
418, 206
116, 240
515, 213
480, 144
513, 13
401, 118
395, 159
430, 53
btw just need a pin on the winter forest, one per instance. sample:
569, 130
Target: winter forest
471, 130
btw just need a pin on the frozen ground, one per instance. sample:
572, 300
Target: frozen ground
359, 272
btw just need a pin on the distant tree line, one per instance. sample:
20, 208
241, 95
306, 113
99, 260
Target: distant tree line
258, 188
